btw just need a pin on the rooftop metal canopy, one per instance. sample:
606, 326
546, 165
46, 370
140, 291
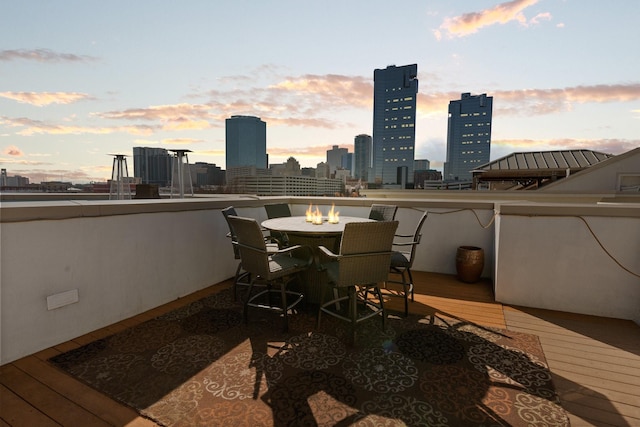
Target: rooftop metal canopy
539, 160
530, 170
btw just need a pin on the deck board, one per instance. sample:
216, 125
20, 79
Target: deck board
91, 400
595, 362
17, 411
49, 402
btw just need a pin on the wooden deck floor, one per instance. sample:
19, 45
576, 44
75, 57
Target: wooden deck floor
595, 362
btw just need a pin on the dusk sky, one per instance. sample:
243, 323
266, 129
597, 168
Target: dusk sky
83, 79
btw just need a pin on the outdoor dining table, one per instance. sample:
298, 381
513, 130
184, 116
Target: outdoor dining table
302, 232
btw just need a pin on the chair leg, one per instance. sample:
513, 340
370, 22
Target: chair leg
323, 294
411, 283
405, 291
245, 310
235, 281
353, 311
283, 297
384, 313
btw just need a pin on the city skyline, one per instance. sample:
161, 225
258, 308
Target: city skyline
80, 80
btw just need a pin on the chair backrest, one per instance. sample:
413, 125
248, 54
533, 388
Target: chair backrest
228, 211
251, 245
417, 236
383, 212
277, 210
365, 252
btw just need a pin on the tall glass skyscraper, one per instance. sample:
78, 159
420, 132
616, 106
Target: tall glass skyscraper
468, 136
362, 156
394, 125
246, 142
245, 146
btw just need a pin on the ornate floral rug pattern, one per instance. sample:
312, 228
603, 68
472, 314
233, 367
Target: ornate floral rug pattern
200, 365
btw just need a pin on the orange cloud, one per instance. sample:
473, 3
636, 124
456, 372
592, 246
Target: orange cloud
344, 90
174, 112
215, 153
470, 23
185, 124
547, 101
435, 102
296, 101
181, 141
40, 99
175, 117
536, 101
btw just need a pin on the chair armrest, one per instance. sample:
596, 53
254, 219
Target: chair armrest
324, 254
327, 252
271, 239
405, 243
290, 249
251, 248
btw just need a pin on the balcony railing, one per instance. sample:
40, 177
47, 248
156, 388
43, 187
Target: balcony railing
71, 267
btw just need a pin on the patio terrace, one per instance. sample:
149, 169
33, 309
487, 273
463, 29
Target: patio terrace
560, 267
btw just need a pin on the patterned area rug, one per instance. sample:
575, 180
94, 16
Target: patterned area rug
200, 365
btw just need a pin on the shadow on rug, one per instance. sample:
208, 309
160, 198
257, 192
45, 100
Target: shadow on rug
200, 365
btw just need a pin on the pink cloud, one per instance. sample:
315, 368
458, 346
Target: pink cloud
181, 141
40, 99
12, 150
171, 112
611, 146
35, 127
470, 23
536, 101
42, 55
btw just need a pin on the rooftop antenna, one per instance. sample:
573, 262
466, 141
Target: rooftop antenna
180, 173
120, 188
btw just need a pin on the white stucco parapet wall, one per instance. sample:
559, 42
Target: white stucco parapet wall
575, 258
126, 257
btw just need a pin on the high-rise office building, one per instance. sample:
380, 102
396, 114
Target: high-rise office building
394, 125
468, 136
362, 156
245, 145
152, 165
347, 163
334, 158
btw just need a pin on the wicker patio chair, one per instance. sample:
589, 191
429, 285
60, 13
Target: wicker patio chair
405, 246
242, 277
383, 212
364, 261
278, 210
274, 270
